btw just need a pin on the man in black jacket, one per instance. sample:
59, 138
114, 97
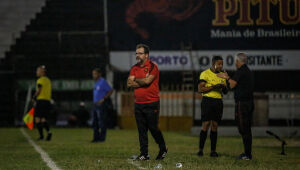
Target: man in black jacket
243, 84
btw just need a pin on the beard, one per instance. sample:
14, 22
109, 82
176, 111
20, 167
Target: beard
139, 61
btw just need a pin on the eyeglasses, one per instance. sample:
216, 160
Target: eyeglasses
139, 53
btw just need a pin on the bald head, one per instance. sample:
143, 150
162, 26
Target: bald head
41, 71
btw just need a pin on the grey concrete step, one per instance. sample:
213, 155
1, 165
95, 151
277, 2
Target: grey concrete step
14, 16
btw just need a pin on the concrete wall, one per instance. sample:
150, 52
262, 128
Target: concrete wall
177, 108
277, 105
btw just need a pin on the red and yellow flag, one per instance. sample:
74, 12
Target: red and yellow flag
28, 119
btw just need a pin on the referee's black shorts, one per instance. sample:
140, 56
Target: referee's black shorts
211, 109
42, 108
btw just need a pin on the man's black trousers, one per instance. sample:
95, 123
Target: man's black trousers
243, 117
147, 116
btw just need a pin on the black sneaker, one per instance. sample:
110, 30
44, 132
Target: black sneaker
142, 157
97, 141
244, 156
162, 154
49, 136
40, 138
214, 154
200, 153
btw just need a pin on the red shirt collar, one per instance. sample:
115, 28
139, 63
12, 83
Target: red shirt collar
147, 63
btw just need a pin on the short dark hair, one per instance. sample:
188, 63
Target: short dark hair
146, 48
216, 58
98, 70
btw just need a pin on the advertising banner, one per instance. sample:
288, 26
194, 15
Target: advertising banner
205, 24
200, 60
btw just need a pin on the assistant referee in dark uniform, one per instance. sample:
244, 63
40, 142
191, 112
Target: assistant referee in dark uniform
144, 77
212, 88
243, 84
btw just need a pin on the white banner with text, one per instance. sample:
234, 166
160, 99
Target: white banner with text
200, 60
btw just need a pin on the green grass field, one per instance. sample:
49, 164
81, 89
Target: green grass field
71, 149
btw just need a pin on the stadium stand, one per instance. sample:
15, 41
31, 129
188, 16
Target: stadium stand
14, 16
66, 36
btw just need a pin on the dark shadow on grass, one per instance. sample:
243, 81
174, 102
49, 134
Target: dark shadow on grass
186, 134
207, 155
227, 155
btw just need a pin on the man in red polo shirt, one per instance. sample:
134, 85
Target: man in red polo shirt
144, 77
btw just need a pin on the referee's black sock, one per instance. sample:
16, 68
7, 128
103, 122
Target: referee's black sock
40, 128
213, 140
203, 135
46, 126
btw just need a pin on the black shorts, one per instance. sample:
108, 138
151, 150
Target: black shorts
42, 108
211, 109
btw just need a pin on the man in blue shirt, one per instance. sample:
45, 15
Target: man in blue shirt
102, 91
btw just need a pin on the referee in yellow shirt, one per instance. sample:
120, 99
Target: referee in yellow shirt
42, 99
212, 88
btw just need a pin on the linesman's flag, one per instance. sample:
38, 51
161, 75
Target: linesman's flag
28, 119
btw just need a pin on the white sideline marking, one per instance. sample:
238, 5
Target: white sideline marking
135, 163
51, 164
